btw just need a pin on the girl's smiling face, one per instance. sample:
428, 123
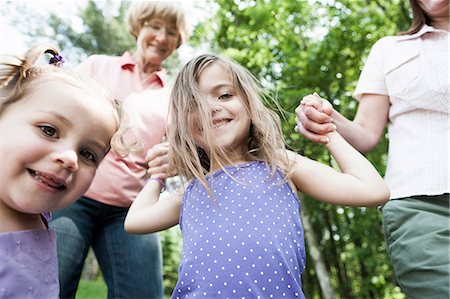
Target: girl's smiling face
52, 141
230, 118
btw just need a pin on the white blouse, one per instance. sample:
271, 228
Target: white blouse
413, 70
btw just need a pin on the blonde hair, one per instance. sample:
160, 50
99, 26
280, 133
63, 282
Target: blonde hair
141, 11
19, 76
265, 141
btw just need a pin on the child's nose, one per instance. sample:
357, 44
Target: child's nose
67, 159
214, 106
215, 109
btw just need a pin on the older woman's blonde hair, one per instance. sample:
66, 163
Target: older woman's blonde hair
265, 139
141, 11
19, 77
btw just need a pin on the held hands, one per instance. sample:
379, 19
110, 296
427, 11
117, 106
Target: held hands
314, 118
157, 161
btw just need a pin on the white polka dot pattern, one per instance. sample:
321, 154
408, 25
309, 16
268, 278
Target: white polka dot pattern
246, 243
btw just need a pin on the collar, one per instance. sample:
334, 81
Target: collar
127, 63
425, 29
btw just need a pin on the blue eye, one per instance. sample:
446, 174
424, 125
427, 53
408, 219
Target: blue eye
49, 131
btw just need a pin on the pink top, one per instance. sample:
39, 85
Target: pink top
413, 71
118, 180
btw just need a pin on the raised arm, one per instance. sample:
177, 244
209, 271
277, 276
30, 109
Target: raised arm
358, 183
149, 212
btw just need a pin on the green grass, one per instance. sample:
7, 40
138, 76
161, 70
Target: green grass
94, 289
91, 289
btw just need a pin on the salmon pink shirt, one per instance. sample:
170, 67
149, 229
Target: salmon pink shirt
119, 180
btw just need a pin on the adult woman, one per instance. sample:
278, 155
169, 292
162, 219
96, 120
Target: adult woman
405, 84
131, 264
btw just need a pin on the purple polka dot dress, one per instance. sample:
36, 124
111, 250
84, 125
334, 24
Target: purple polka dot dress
247, 242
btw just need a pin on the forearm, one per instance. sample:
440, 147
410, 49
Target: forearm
148, 197
353, 163
350, 160
141, 208
355, 133
365, 130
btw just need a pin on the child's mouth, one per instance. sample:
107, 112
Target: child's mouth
48, 180
219, 123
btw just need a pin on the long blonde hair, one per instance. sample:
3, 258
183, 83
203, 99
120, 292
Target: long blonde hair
265, 141
19, 76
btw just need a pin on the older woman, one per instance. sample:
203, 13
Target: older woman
131, 264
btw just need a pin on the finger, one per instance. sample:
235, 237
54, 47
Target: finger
162, 171
305, 121
160, 149
312, 136
328, 110
311, 100
158, 171
314, 115
158, 161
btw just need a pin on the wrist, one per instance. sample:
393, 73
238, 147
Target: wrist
159, 180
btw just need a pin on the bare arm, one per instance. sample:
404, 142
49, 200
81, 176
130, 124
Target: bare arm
358, 183
364, 132
149, 212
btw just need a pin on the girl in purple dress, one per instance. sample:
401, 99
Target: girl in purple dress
56, 126
239, 212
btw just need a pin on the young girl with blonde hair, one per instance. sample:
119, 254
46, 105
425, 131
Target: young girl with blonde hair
239, 213
56, 126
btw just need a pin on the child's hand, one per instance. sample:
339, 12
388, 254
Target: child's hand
313, 119
157, 161
321, 105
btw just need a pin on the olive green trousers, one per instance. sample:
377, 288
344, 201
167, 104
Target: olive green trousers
417, 233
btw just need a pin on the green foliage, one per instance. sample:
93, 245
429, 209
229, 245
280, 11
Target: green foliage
171, 244
103, 29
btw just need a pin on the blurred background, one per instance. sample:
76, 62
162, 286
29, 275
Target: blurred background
294, 47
